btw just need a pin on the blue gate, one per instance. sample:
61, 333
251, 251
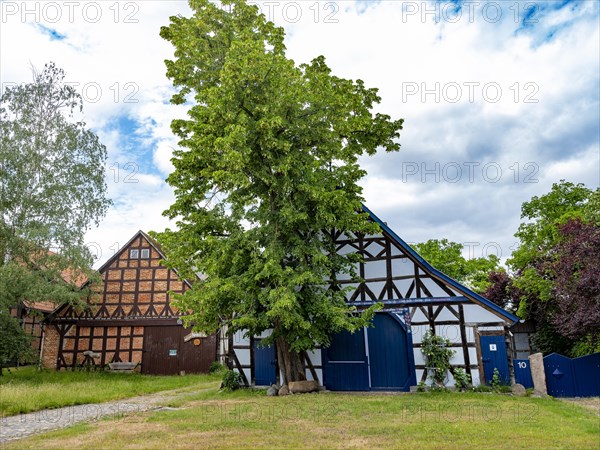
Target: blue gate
523, 373
265, 369
345, 363
388, 366
388, 354
578, 377
493, 356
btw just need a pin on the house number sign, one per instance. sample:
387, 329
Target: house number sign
492, 347
173, 352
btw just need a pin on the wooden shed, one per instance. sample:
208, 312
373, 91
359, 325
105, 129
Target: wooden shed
129, 318
416, 297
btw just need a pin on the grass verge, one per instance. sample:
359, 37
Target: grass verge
248, 419
27, 389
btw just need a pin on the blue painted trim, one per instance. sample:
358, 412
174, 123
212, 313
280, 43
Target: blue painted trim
428, 268
412, 301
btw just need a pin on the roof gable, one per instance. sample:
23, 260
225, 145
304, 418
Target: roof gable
434, 273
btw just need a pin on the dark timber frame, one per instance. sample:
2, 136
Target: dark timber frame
135, 295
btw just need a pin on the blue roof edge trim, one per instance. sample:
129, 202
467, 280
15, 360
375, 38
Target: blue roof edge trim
433, 270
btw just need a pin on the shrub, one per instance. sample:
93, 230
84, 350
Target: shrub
232, 380
216, 367
496, 382
462, 380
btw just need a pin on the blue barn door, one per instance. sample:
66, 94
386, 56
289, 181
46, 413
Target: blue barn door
345, 361
265, 370
493, 356
388, 354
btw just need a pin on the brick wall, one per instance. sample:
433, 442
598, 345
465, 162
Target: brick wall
50, 347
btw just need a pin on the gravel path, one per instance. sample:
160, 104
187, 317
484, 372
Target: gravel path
23, 425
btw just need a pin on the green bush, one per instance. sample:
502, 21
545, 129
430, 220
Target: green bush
216, 367
482, 388
462, 380
232, 380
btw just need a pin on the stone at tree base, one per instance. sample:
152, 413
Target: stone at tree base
518, 389
302, 387
538, 374
272, 391
284, 390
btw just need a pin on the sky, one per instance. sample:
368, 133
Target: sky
500, 99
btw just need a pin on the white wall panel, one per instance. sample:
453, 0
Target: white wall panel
376, 287
240, 339
451, 332
433, 288
419, 316
375, 269
402, 267
475, 313
404, 285
243, 356
419, 358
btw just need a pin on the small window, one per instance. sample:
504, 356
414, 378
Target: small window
145, 253
134, 254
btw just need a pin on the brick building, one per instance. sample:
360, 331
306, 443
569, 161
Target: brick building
129, 318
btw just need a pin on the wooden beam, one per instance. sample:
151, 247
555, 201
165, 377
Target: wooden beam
463, 337
310, 366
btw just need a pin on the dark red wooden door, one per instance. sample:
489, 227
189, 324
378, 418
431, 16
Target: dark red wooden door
197, 354
161, 350
166, 352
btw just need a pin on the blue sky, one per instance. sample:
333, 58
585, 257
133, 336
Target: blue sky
500, 100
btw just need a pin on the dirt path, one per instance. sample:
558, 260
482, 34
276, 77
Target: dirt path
23, 425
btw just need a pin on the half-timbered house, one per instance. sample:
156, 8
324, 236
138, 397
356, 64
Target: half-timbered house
129, 318
387, 356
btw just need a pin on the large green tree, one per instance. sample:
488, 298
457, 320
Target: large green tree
550, 241
52, 190
267, 174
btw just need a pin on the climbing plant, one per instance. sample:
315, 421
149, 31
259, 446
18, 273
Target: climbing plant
438, 355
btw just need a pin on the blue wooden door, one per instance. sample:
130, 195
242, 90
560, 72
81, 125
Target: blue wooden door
388, 354
265, 370
493, 356
523, 372
345, 361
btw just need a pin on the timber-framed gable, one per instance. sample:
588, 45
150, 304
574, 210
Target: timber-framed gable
416, 298
129, 318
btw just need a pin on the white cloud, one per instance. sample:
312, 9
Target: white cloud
552, 125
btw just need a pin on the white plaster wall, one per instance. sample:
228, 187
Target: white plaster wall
450, 332
243, 356
375, 269
402, 267
240, 339
475, 313
433, 288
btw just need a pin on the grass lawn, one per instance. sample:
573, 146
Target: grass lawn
26, 389
249, 419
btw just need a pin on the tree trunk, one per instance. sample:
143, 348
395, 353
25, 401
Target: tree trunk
290, 362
